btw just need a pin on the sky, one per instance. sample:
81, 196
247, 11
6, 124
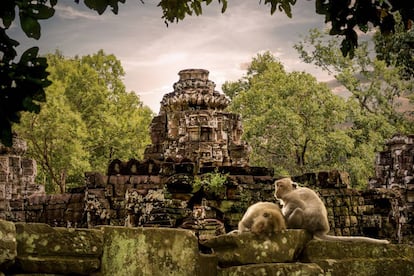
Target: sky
152, 54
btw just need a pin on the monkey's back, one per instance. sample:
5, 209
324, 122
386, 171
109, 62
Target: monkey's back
316, 216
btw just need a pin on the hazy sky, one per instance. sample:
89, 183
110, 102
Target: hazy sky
152, 53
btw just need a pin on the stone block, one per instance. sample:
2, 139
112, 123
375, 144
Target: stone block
367, 267
272, 269
8, 244
248, 248
4, 177
317, 249
360, 258
43, 249
4, 164
2, 190
61, 265
4, 205
208, 265
38, 239
149, 251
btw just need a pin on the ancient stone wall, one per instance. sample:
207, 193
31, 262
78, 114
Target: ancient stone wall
394, 168
17, 180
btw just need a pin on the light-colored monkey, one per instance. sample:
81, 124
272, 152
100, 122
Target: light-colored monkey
262, 218
303, 209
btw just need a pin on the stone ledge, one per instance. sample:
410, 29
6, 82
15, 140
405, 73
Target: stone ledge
282, 269
248, 248
58, 265
38, 239
367, 267
317, 249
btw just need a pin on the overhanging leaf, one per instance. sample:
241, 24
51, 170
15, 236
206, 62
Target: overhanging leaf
30, 25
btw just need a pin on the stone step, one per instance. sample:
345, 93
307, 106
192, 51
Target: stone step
280, 269
360, 258
367, 267
317, 249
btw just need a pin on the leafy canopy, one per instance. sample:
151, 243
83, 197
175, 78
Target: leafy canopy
22, 82
374, 105
88, 120
290, 120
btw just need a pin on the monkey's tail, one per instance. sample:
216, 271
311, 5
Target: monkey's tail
325, 237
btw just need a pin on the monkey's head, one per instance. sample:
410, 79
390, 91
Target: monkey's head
267, 223
283, 186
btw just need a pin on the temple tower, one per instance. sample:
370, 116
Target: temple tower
193, 125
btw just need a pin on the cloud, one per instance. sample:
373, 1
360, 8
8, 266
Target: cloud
69, 12
152, 54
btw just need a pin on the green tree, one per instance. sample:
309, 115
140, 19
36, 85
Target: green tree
397, 49
290, 120
374, 101
56, 139
87, 93
22, 83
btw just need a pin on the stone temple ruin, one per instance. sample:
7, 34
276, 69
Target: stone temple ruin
196, 176
196, 142
193, 125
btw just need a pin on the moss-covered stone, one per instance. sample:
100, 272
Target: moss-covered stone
8, 245
45, 249
360, 258
37, 239
58, 264
248, 248
149, 251
367, 267
317, 249
285, 269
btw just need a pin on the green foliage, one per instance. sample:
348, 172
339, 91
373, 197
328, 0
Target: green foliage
211, 182
22, 83
88, 120
397, 49
373, 106
18, 93
290, 120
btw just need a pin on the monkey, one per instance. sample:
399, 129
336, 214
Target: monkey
262, 218
303, 209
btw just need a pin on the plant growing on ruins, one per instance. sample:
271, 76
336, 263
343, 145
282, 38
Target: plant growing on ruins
213, 182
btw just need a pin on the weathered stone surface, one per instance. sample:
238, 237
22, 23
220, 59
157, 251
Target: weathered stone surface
247, 248
281, 269
367, 267
42, 240
208, 265
149, 251
317, 249
43, 249
360, 258
8, 245
58, 264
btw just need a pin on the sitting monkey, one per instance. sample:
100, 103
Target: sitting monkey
303, 209
262, 218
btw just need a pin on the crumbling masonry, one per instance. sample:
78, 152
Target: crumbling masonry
195, 142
